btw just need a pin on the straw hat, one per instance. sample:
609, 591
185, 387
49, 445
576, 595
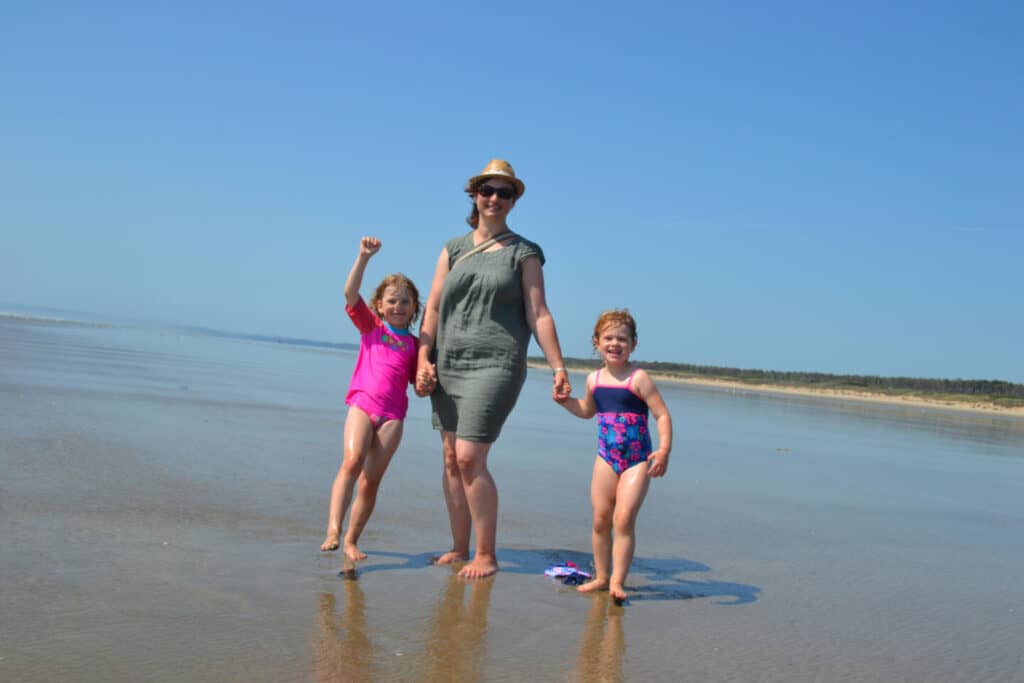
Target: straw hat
498, 168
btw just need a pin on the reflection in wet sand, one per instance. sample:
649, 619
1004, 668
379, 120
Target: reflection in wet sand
342, 650
453, 642
454, 649
602, 643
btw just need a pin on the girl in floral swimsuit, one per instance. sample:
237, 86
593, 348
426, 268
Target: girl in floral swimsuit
621, 396
623, 439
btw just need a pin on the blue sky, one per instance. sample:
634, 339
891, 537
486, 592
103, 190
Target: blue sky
790, 186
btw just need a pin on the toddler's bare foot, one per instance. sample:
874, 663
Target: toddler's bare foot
617, 592
593, 585
353, 553
450, 557
479, 568
330, 543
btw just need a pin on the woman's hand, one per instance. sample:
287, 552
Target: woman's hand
562, 389
426, 377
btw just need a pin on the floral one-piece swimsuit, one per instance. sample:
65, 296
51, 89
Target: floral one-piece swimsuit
623, 439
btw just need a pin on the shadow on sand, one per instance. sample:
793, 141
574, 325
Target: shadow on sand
650, 578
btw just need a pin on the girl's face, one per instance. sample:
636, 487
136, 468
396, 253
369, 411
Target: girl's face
614, 344
395, 306
494, 206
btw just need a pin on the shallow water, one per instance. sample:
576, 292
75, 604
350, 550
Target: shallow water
163, 495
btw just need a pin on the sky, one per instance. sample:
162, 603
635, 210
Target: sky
827, 187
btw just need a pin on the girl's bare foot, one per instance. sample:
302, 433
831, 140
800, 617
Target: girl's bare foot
450, 557
348, 569
617, 592
330, 543
479, 568
353, 553
593, 585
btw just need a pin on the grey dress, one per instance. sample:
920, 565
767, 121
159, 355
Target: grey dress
482, 339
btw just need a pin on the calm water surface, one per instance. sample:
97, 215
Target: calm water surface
163, 495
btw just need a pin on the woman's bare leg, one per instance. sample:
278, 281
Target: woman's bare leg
603, 487
455, 499
482, 496
357, 439
382, 448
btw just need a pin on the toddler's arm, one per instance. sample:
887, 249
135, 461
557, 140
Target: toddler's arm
368, 246
581, 407
648, 391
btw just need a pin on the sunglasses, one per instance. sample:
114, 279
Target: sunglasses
503, 192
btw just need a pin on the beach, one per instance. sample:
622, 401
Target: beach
163, 495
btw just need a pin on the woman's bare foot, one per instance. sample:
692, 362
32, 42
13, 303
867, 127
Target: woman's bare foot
479, 568
617, 592
593, 585
330, 543
354, 554
450, 557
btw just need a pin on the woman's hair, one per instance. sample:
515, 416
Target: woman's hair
614, 318
474, 216
398, 281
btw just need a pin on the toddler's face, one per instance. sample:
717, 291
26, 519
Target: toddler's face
614, 344
395, 306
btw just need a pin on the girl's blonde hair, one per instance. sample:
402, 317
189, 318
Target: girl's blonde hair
398, 281
614, 318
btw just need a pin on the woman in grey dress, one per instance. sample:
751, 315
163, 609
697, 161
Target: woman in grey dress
486, 300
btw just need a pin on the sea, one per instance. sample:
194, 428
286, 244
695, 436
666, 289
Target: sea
164, 491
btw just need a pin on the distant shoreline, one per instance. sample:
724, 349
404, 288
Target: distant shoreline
966, 405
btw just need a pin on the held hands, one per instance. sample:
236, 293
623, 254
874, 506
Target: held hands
562, 389
368, 246
657, 463
426, 378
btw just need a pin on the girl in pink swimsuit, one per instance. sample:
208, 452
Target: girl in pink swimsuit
376, 398
621, 395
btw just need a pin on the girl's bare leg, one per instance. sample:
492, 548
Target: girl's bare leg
603, 487
632, 489
482, 496
382, 447
357, 439
455, 499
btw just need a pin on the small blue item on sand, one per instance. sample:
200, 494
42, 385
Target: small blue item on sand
568, 573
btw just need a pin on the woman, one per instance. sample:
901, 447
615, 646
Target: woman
486, 299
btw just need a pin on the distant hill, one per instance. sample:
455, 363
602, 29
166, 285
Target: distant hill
998, 392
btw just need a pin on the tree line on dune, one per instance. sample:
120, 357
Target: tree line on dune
980, 388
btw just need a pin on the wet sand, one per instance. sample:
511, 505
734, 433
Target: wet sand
162, 499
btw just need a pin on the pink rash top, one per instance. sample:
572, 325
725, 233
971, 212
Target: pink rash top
385, 367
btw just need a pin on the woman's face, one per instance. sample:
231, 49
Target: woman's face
494, 207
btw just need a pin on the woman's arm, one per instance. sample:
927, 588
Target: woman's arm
538, 317
646, 389
426, 372
368, 246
